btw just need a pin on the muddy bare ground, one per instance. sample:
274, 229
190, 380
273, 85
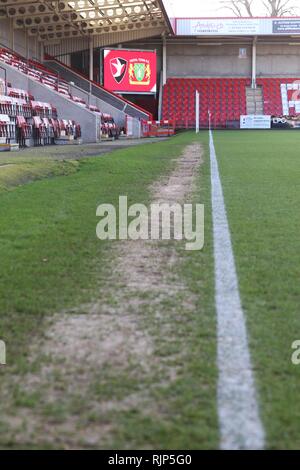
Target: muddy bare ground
108, 357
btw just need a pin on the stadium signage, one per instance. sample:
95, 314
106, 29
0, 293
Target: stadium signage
237, 26
283, 122
255, 122
286, 26
128, 71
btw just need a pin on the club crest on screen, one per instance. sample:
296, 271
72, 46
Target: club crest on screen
139, 72
118, 68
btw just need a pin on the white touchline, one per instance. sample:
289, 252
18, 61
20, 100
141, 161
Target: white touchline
240, 424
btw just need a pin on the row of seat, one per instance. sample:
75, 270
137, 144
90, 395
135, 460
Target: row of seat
20, 101
221, 100
42, 130
36, 71
224, 99
23, 118
39, 73
271, 90
20, 107
290, 97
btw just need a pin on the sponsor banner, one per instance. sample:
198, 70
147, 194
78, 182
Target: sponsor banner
128, 71
286, 26
283, 122
255, 122
237, 26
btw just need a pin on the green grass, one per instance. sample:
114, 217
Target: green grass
187, 406
260, 174
50, 256
51, 261
200, 377
24, 171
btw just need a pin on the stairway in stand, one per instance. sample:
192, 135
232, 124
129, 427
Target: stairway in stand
254, 100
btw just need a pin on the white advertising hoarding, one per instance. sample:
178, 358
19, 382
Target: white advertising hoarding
255, 122
237, 26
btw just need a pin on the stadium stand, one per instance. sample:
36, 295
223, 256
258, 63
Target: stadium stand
36, 71
110, 101
28, 122
235, 74
103, 102
271, 88
281, 96
226, 99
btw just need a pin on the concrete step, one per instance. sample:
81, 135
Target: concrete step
254, 101
254, 105
255, 111
254, 98
253, 92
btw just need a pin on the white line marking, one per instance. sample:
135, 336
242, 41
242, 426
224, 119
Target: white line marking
240, 424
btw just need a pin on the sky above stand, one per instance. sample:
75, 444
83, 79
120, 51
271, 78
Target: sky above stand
207, 8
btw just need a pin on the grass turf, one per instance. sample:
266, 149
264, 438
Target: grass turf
51, 260
260, 174
22, 172
50, 257
188, 412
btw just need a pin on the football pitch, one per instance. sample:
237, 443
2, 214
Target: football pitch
113, 344
260, 176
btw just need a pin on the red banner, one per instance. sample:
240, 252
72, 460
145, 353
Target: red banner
130, 71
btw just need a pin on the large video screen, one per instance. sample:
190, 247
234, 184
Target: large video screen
128, 71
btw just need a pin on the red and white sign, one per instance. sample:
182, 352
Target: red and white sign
130, 71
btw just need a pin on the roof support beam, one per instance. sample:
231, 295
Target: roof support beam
60, 19
86, 21
58, 33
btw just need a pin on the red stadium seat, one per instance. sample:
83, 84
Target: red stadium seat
23, 118
224, 98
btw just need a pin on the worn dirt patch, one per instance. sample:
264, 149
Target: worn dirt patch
88, 353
